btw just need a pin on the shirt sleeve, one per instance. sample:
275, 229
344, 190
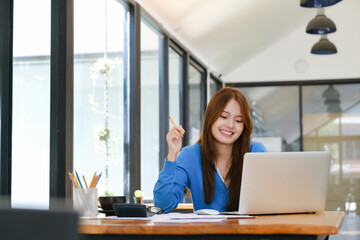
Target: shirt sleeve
257, 147
173, 179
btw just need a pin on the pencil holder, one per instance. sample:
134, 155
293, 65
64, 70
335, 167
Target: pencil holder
86, 201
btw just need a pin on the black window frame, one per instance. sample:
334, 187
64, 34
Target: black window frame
6, 85
218, 82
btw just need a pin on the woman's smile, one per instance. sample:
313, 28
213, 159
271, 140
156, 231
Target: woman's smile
226, 133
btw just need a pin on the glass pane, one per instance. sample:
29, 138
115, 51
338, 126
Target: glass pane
194, 105
213, 87
31, 104
99, 92
332, 123
275, 116
175, 66
149, 110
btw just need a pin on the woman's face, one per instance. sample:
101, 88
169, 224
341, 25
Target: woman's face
229, 126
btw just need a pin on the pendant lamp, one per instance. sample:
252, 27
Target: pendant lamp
321, 25
323, 46
317, 3
332, 100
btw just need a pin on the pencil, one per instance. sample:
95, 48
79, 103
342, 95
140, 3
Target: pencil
98, 180
85, 181
175, 125
71, 179
77, 183
92, 180
77, 176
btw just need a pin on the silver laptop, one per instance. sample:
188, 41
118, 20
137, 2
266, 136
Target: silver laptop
284, 182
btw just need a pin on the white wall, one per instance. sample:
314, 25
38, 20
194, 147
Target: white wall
289, 59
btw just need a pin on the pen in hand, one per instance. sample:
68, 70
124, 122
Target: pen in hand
175, 125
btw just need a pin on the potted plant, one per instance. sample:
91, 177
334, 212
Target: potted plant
138, 196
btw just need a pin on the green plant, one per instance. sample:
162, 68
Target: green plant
108, 193
104, 134
138, 193
103, 67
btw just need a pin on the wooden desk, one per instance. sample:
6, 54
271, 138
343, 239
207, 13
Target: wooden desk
182, 207
279, 227
185, 206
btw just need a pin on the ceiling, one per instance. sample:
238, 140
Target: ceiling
228, 34
262, 40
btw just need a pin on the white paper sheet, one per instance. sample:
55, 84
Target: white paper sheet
183, 218
128, 218
192, 217
187, 220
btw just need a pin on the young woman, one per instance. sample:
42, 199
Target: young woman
212, 167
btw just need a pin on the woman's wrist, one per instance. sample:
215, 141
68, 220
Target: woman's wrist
171, 157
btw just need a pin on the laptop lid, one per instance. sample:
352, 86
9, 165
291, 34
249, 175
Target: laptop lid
284, 182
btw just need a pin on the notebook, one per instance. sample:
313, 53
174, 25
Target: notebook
284, 182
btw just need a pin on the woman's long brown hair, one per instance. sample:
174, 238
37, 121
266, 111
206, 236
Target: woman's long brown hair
240, 147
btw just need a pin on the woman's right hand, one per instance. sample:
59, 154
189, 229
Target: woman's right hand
174, 140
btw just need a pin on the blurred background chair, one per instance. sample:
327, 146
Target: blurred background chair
30, 224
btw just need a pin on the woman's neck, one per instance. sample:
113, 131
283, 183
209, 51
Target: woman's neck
224, 154
223, 159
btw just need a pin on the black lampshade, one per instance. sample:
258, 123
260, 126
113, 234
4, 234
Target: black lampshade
332, 100
323, 46
318, 3
321, 25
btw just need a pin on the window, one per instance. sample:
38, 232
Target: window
149, 109
99, 92
215, 85
330, 122
31, 104
275, 116
331, 118
175, 73
195, 102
